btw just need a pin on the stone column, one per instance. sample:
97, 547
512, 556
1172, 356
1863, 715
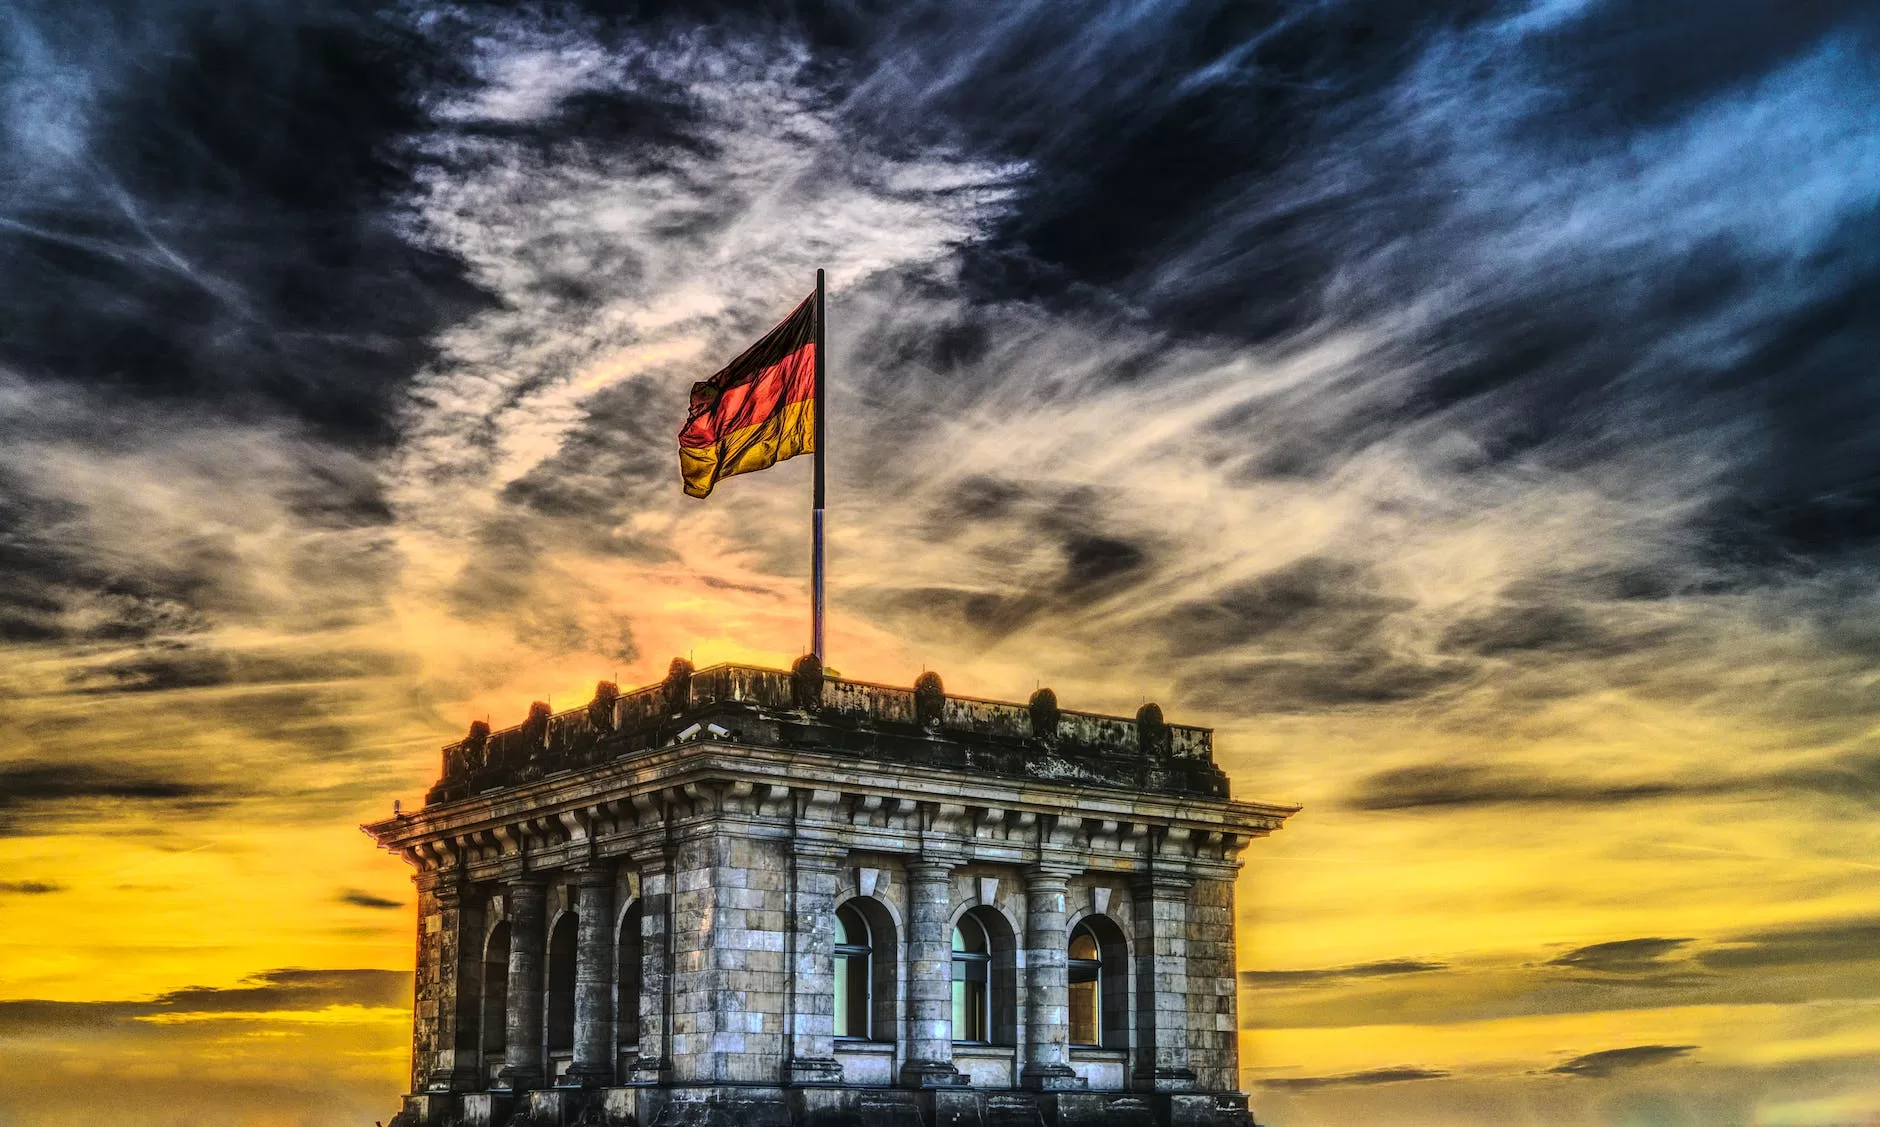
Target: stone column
456, 1067
522, 1026
1047, 987
1162, 983
593, 1065
929, 977
812, 964
654, 1060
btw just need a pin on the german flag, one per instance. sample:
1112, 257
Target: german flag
758, 411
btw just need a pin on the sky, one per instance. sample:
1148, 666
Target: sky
1467, 409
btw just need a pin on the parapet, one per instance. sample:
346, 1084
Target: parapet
802, 708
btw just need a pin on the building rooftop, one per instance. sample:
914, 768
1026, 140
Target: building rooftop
801, 708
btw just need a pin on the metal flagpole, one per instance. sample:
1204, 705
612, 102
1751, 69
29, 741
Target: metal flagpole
816, 518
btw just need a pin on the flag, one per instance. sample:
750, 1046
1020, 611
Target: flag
758, 411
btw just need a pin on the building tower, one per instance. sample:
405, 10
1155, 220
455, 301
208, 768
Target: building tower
763, 897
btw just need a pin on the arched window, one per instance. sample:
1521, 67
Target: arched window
985, 977
1098, 967
1085, 968
495, 999
854, 974
972, 981
561, 948
627, 981
867, 954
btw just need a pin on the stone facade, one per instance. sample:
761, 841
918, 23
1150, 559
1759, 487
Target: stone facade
750, 896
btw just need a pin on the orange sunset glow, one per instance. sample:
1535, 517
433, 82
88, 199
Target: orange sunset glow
1462, 409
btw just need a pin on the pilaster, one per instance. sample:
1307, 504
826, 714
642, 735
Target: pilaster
458, 977
814, 864
653, 1063
1162, 1063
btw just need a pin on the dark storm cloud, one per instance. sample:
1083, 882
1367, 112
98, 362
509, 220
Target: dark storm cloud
38, 797
289, 988
360, 899
1623, 956
203, 209
1811, 944
1330, 603
1382, 969
1370, 677
167, 667
1853, 778
1603, 1064
29, 888
1464, 785
293, 988
1354, 1079
1225, 169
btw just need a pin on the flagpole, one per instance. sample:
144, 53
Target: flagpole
816, 516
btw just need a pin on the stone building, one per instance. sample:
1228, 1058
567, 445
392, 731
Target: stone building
752, 896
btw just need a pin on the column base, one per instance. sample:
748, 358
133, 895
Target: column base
932, 1074
1051, 1078
1166, 1080
813, 1070
587, 1076
648, 1070
520, 1079
463, 1078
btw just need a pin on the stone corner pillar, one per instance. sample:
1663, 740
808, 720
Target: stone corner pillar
455, 1066
1162, 1063
929, 977
652, 1062
522, 1025
594, 1053
812, 1060
1047, 987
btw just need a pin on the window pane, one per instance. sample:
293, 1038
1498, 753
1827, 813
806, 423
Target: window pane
842, 997
969, 1009
852, 995
1084, 1027
1083, 945
969, 936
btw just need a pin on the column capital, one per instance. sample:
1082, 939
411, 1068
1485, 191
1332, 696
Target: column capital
931, 868
1052, 875
595, 874
814, 854
1163, 881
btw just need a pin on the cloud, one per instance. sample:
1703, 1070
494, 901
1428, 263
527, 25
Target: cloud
360, 899
29, 887
1437, 785
289, 989
1605, 1063
1853, 777
1622, 956
32, 793
1366, 1078
1382, 968
1816, 943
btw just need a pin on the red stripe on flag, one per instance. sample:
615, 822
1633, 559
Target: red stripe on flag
790, 380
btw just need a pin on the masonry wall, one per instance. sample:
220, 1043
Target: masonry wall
1213, 1040
729, 981
433, 981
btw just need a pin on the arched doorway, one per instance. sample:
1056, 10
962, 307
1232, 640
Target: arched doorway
627, 987
559, 1027
495, 1008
